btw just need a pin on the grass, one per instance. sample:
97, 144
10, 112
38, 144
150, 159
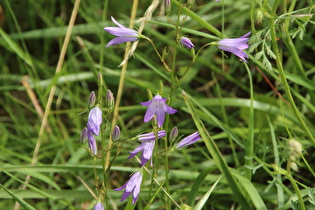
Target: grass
256, 119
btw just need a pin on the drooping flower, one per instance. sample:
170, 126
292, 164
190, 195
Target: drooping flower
189, 140
95, 120
147, 146
235, 46
98, 206
123, 34
132, 187
187, 43
157, 107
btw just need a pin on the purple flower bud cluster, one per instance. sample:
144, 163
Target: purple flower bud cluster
92, 128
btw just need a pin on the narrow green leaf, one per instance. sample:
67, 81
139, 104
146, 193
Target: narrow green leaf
18, 199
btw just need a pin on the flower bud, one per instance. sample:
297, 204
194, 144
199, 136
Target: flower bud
98, 206
84, 135
168, 6
110, 99
116, 133
91, 100
173, 134
186, 42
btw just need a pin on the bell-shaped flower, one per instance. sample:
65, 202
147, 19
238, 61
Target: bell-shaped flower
123, 34
147, 146
235, 46
187, 43
189, 140
98, 206
157, 107
95, 120
132, 187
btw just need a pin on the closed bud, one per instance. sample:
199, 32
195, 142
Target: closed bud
98, 206
91, 100
100, 79
110, 99
116, 133
84, 135
173, 134
168, 6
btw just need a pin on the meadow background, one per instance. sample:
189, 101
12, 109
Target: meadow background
247, 113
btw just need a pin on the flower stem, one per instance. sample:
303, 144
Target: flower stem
282, 75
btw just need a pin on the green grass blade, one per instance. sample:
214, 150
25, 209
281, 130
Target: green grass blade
216, 155
18, 199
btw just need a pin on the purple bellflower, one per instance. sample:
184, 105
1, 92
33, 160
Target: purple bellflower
147, 146
95, 120
157, 107
123, 34
235, 46
98, 206
132, 187
189, 140
187, 43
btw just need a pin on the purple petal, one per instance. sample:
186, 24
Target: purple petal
150, 112
189, 140
147, 151
169, 110
118, 24
160, 114
95, 120
92, 143
147, 103
119, 40
125, 195
122, 187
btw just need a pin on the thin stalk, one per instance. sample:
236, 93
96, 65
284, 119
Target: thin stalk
53, 89
297, 191
121, 84
282, 75
250, 143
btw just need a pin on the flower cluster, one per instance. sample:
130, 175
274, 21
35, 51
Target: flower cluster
235, 46
156, 108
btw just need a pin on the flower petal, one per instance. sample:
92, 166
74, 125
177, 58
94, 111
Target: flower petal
119, 40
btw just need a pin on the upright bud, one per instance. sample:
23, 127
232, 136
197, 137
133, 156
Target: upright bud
91, 100
168, 6
116, 133
109, 99
100, 79
173, 134
84, 135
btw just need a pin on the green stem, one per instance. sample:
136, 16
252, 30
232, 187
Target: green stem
297, 190
198, 19
283, 78
250, 143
